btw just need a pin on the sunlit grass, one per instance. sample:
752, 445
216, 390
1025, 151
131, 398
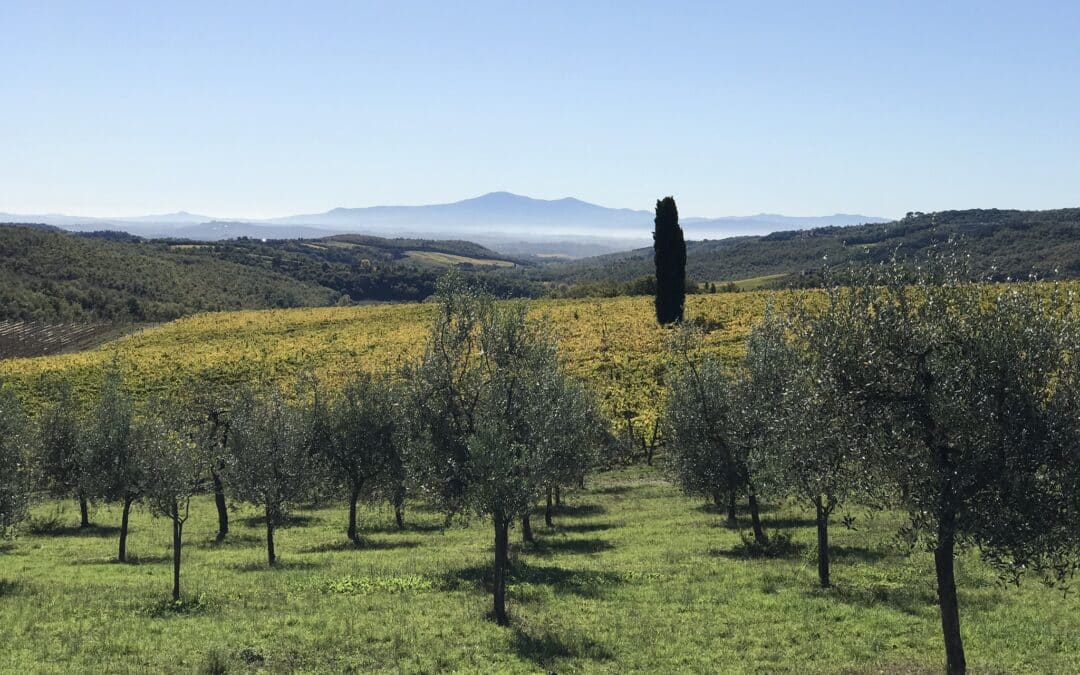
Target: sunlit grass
634, 576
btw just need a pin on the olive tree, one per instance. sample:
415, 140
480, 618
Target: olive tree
811, 445
175, 467
114, 444
14, 464
357, 436
704, 420
62, 451
968, 385
492, 406
208, 406
270, 458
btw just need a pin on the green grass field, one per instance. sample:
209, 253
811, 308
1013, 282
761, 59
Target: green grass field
634, 577
444, 259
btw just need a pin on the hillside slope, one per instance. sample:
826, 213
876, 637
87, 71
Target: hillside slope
615, 344
49, 275
1001, 244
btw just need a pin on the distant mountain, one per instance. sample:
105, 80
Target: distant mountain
502, 220
180, 217
510, 213
500, 210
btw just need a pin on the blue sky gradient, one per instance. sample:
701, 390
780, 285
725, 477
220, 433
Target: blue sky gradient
273, 108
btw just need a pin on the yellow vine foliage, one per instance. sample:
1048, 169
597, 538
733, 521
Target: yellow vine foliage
614, 344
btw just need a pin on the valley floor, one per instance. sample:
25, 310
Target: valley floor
633, 577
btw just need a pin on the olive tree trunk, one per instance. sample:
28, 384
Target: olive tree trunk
399, 516
823, 511
526, 529
944, 560
548, 510
354, 496
502, 536
222, 507
177, 539
271, 556
755, 521
122, 554
84, 513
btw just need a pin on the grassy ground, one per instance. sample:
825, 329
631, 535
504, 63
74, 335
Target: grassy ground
633, 577
445, 259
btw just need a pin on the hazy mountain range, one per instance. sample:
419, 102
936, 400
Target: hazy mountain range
499, 219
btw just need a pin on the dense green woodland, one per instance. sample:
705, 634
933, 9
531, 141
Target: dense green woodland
1001, 243
50, 275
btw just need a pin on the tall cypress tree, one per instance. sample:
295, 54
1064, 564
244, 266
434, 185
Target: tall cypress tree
669, 253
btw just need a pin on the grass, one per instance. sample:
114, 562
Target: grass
444, 259
634, 577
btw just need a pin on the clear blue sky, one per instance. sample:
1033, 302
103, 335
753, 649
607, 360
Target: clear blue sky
266, 108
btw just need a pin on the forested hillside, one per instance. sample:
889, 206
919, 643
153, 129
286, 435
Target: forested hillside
1001, 244
50, 275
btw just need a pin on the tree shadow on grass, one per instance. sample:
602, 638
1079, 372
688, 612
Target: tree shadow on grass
76, 531
902, 598
166, 608
584, 583
741, 508
132, 560
364, 545
8, 587
409, 527
292, 520
614, 490
911, 597
544, 647
856, 553
582, 527
579, 511
231, 539
779, 546
279, 566
544, 546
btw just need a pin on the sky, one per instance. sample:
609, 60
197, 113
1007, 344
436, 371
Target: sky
261, 109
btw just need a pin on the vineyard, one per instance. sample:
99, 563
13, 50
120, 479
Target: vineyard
614, 344
23, 339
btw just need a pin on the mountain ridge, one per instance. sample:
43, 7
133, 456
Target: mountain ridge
500, 214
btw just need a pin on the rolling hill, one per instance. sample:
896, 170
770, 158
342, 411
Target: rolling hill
50, 275
1000, 243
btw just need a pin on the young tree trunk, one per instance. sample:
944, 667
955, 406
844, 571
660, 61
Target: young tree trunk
177, 537
271, 557
732, 517
526, 529
354, 496
955, 663
822, 542
502, 536
122, 555
755, 521
399, 516
558, 496
84, 513
547, 510
222, 507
